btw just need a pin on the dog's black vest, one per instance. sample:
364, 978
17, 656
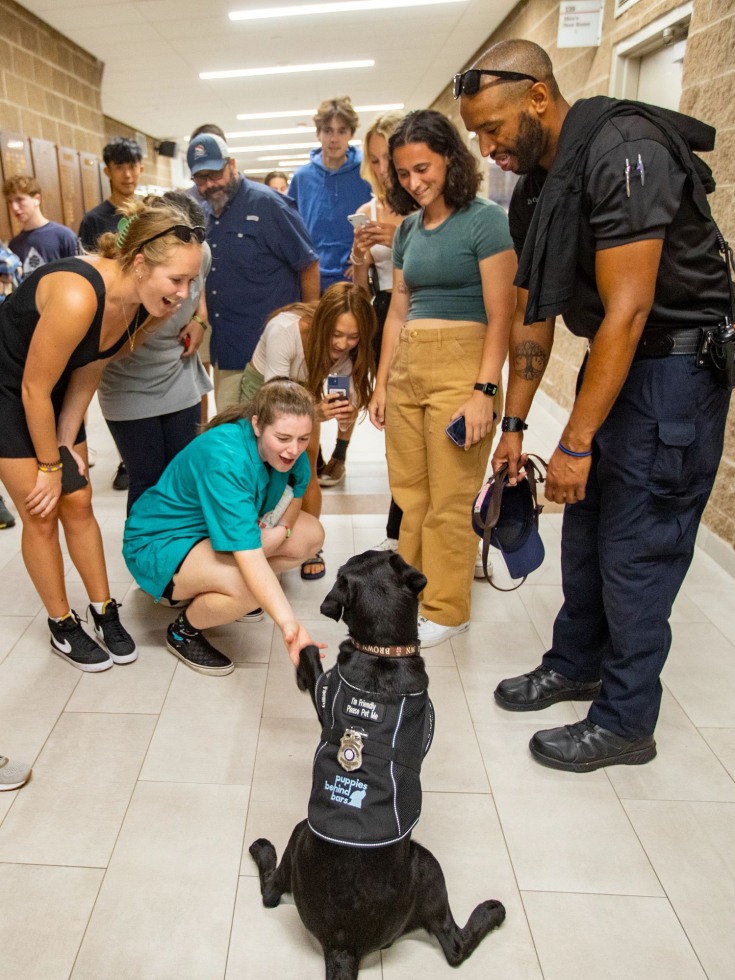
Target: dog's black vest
380, 802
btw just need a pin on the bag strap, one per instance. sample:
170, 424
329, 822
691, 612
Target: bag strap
535, 468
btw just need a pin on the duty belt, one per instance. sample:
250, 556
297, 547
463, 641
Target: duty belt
658, 342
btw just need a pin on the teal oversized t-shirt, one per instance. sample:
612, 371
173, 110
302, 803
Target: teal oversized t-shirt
216, 487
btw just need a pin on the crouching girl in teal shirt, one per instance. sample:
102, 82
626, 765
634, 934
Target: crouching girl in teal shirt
197, 535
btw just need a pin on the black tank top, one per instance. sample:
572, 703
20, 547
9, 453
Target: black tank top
19, 318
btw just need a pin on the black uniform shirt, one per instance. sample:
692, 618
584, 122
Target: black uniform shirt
691, 286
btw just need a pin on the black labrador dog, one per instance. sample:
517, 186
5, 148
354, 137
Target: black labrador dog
358, 880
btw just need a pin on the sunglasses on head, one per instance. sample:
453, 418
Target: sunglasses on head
183, 232
468, 82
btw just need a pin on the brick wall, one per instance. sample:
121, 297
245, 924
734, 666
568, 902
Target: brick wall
708, 92
51, 89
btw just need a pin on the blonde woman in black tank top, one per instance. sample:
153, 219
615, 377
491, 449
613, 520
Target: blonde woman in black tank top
57, 331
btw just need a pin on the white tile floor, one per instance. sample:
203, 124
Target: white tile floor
125, 857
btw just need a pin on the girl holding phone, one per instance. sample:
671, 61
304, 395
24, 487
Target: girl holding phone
372, 253
444, 344
308, 342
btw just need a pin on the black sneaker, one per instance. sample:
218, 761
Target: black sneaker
196, 651
112, 633
121, 480
6, 518
69, 641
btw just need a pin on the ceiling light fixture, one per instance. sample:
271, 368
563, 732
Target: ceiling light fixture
279, 157
285, 69
346, 6
240, 150
273, 146
249, 171
302, 130
290, 113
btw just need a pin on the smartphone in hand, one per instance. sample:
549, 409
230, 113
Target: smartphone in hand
338, 386
358, 219
457, 432
71, 478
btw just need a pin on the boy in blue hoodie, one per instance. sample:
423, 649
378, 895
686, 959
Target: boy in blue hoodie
326, 190
330, 187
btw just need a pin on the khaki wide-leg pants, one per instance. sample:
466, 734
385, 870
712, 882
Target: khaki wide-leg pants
434, 481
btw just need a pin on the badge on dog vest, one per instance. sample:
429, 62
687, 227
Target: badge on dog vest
349, 755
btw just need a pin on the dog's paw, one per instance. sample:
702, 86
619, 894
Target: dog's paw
263, 853
309, 668
492, 912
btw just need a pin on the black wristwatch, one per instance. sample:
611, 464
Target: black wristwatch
487, 389
511, 423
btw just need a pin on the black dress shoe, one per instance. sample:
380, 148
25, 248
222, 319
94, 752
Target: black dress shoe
584, 747
542, 687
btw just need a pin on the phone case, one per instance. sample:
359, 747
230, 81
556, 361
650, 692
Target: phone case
338, 385
71, 478
457, 432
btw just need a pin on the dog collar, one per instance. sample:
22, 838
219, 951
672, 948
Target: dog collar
410, 650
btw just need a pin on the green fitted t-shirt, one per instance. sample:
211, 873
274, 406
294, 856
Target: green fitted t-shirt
441, 265
216, 487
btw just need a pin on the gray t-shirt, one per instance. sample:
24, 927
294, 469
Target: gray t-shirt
155, 379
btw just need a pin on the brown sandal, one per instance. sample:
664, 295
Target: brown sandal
318, 560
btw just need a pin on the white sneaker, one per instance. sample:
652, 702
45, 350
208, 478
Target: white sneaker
254, 616
387, 544
478, 565
432, 634
13, 774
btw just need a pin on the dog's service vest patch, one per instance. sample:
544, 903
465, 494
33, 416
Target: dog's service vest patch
366, 789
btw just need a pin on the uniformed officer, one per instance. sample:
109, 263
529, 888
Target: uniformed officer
613, 230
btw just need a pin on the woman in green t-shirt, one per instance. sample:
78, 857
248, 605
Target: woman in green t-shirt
224, 519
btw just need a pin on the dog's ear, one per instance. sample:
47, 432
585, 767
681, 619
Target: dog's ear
336, 599
408, 574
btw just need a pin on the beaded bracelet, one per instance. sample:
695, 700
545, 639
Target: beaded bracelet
576, 455
50, 467
354, 261
199, 320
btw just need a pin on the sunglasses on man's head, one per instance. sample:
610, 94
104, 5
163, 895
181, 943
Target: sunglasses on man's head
183, 232
468, 82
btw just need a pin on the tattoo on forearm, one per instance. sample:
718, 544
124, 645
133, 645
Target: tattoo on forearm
529, 360
402, 287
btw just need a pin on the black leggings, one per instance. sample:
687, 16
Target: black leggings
147, 446
380, 305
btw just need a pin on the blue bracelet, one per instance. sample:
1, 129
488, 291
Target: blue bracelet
576, 455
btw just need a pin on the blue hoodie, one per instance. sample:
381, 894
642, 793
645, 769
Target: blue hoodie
324, 199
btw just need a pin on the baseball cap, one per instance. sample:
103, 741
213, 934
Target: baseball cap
515, 534
10, 264
207, 152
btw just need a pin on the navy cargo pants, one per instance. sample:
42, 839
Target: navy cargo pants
627, 546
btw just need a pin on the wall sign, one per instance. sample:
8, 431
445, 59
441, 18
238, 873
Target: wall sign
580, 24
